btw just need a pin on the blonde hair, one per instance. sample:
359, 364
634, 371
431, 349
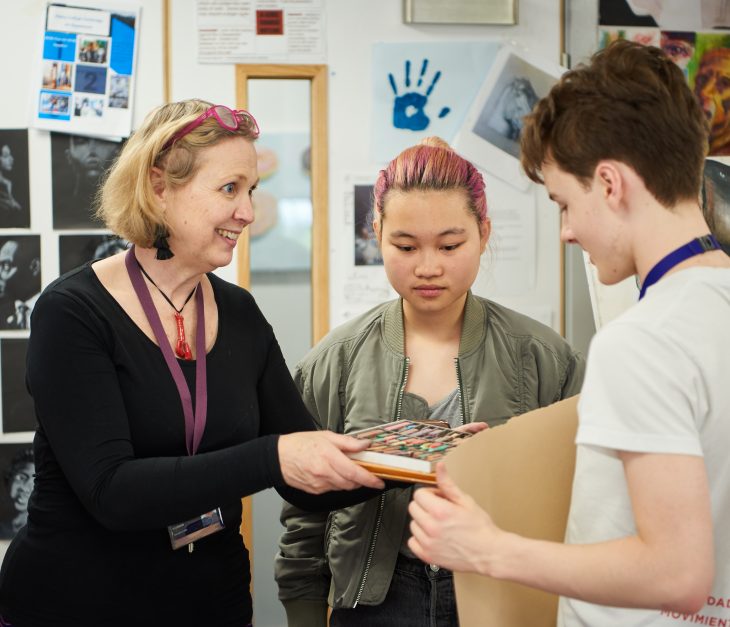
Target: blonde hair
126, 201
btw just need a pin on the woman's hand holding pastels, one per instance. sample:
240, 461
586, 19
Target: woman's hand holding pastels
316, 462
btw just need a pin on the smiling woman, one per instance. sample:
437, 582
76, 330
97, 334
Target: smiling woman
162, 399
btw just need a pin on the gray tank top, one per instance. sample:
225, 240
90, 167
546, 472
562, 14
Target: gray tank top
447, 409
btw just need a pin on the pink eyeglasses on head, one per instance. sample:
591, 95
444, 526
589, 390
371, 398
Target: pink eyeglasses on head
228, 119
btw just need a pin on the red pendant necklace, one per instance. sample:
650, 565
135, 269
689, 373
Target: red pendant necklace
182, 348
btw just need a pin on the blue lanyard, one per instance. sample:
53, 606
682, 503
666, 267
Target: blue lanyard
697, 246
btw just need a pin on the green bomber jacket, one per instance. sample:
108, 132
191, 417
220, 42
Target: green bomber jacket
354, 378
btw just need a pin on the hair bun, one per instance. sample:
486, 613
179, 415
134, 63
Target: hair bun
435, 142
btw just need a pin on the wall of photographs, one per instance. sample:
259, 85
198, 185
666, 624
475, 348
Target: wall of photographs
77, 164
47, 181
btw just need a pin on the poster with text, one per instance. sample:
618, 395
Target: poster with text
261, 31
87, 69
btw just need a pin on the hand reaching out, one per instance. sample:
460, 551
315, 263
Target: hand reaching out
449, 529
315, 461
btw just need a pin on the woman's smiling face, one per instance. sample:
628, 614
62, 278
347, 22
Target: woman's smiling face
207, 214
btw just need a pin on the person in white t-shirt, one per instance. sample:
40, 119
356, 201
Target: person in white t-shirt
620, 144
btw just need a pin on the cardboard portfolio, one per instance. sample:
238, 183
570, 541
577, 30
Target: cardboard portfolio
521, 473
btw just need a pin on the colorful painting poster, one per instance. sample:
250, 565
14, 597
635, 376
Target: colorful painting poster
705, 60
87, 69
709, 77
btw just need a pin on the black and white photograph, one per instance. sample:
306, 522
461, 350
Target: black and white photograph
119, 91
367, 250
77, 165
502, 118
14, 179
17, 403
678, 15
76, 250
492, 128
88, 106
20, 279
18, 471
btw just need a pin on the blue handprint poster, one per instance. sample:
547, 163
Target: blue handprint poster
422, 89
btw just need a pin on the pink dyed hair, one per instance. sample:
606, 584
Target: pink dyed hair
431, 165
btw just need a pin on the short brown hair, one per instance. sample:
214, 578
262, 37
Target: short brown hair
126, 200
631, 103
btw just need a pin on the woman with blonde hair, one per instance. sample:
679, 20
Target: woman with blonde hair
160, 393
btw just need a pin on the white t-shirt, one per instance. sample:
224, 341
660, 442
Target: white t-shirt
657, 381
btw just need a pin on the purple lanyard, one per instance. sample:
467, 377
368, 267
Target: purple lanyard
697, 246
194, 422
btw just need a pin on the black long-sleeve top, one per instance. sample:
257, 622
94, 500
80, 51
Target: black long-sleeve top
113, 471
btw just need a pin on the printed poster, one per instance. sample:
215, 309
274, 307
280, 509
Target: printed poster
87, 69
263, 31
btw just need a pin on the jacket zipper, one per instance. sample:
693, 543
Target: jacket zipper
381, 503
461, 390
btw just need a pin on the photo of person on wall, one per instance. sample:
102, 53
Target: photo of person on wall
18, 478
20, 279
77, 165
14, 184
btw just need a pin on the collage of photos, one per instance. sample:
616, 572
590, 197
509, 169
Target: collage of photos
83, 78
698, 41
87, 70
78, 163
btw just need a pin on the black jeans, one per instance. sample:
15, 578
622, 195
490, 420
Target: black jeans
419, 596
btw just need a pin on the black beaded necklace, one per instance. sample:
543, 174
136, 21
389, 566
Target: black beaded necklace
182, 348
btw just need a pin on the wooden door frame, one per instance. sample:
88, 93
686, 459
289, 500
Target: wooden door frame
317, 75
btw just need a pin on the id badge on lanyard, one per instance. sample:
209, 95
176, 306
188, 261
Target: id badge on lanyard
187, 532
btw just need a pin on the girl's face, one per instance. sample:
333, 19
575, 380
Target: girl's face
431, 246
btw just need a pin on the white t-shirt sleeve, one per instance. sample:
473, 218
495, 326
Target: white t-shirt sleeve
641, 393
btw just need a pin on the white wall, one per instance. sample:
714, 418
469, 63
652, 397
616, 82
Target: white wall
352, 27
